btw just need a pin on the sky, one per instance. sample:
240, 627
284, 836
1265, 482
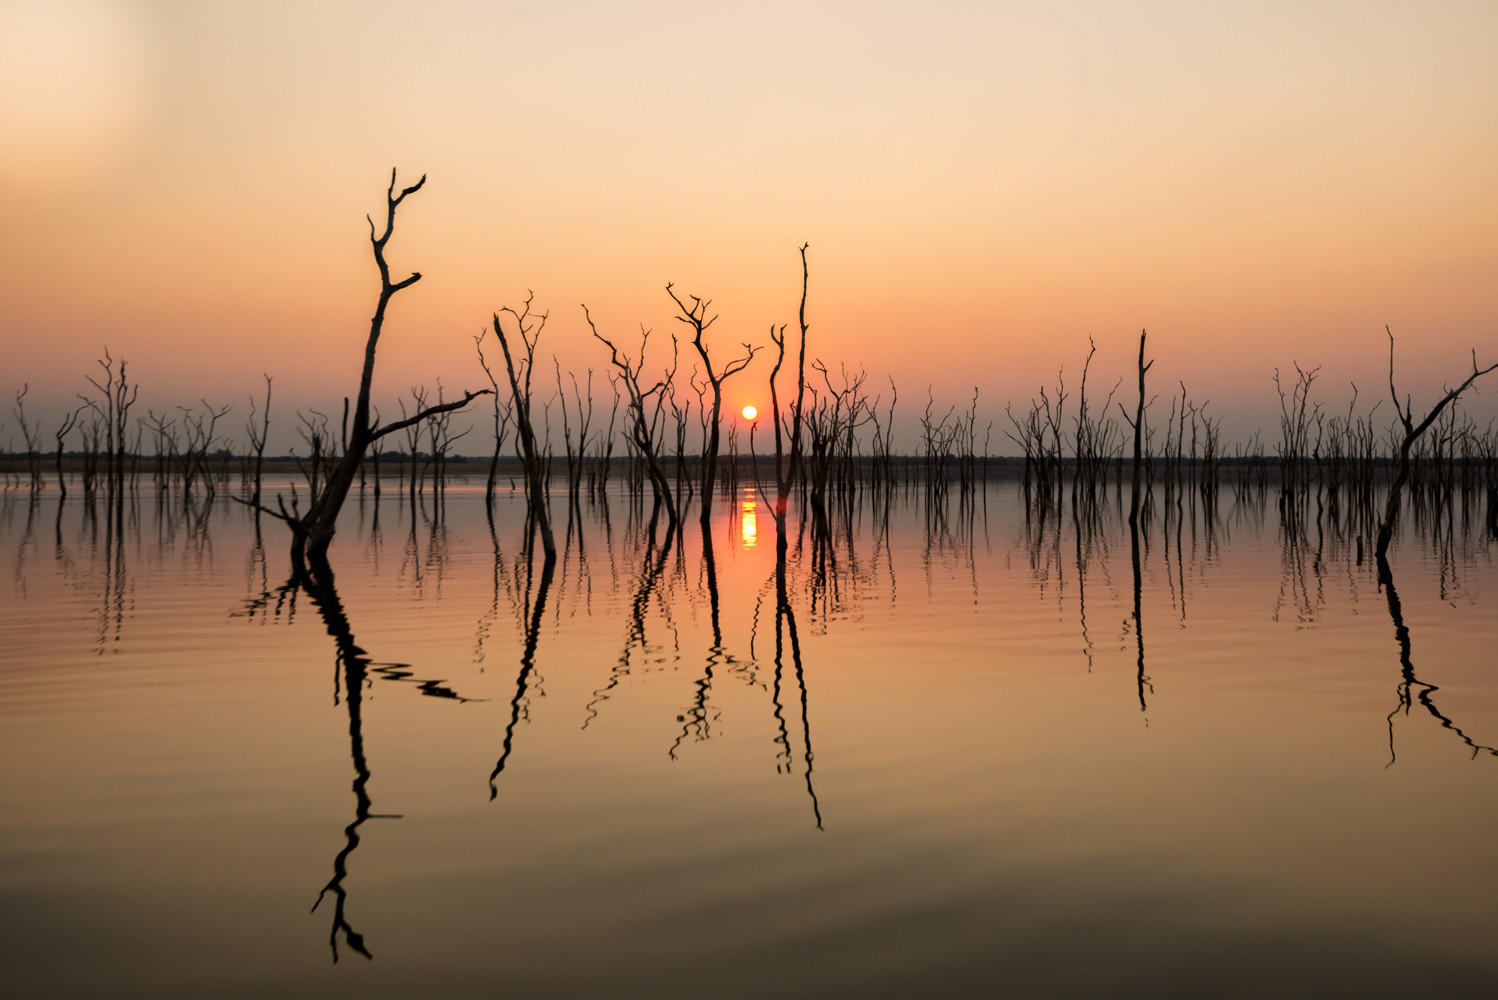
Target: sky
984, 186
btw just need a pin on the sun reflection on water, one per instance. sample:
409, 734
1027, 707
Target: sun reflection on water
748, 524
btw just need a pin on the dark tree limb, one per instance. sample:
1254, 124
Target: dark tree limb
1412, 432
431, 411
518, 369
695, 316
313, 532
640, 423
1137, 424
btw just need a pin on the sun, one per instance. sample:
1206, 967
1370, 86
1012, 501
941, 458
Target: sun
750, 412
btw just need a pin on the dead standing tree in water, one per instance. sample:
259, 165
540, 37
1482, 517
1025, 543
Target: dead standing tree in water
312, 532
69, 421
695, 316
519, 373
1412, 432
1137, 425
1093, 439
1142, 679
642, 424
502, 413
788, 463
1297, 417
576, 453
257, 435
33, 436
118, 396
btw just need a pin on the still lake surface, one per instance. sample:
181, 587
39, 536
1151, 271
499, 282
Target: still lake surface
945, 766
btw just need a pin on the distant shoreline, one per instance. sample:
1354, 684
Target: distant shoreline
469, 465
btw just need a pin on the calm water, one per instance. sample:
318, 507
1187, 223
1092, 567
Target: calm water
946, 765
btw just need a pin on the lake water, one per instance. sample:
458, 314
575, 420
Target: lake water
945, 764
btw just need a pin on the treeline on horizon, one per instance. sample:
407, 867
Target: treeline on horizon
1347, 452
197, 448
848, 431
660, 427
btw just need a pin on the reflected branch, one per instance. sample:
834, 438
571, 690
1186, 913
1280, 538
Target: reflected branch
1410, 688
527, 662
634, 636
785, 623
1143, 680
317, 582
313, 576
695, 719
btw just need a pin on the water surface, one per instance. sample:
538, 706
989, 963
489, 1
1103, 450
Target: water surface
953, 759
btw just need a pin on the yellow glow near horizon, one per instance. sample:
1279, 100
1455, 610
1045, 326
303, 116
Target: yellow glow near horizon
750, 412
748, 524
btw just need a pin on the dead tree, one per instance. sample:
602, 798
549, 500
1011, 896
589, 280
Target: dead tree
93, 439
641, 422
788, 461
938, 438
605, 457
1028, 435
257, 437
1053, 454
166, 438
314, 431
519, 369
1093, 436
584, 419
832, 427
441, 439
1295, 429
312, 532
376, 452
32, 436
882, 470
200, 433
63, 430
118, 396
501, 420
576, 452
1412, 432
413, 442
695, 316
681, 411
1137, 425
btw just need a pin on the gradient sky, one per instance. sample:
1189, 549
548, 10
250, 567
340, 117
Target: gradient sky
983, 186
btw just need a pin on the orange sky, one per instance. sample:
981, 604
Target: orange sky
983, 186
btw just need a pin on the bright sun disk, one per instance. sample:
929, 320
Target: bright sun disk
750, 412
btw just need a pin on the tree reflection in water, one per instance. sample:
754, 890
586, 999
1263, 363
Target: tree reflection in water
821, 574
785, 625
353, 668
654, 587
536, 590
652, 568
1410, 688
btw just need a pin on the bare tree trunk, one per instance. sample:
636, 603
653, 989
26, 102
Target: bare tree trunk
1412, 432
788, 466
257, 439
501, 421
312, 532
695, 316
1138, 425
530, 329
641, 431
63, 430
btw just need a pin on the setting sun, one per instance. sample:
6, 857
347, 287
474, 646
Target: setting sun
750, 412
